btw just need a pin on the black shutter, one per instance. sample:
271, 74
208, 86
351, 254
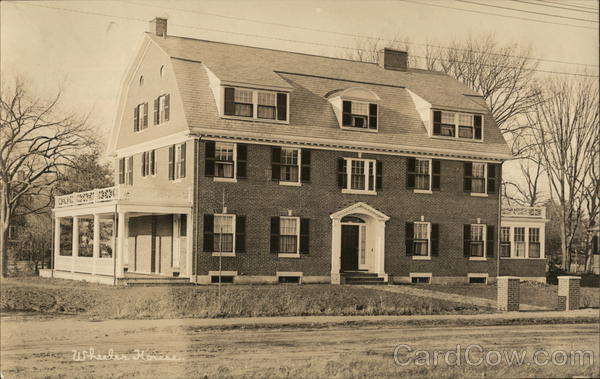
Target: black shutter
409, 235
346, 113
467, 240
305, 167
156, 112
477, 124
208, 232
130, 174
491, 179
489, 244
275, 163
229, 109
304, 235
172, 162
282, 106
372, 116
122, 171
467, 176
437, 123
153, 162
379, 175
436, 174
435, 240
411, 172
342, 176
167, 106
136, 118
183, 160
145, 115
240, 234
144, 163
209, 158
275, 234
242, 156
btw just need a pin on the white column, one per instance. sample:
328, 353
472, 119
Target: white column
381, 248
56, 239
75, 242
189, 241
121, 237
96, 244
336, 252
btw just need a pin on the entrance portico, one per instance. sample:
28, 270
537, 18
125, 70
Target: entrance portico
358, 241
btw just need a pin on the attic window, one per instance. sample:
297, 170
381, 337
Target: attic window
457, 125
255, 104
360, 115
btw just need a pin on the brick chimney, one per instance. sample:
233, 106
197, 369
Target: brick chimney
158, 26
390, 59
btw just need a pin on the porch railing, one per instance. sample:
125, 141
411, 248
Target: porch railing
528, 212
98, 195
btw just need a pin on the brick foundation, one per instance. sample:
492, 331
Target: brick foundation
568, 292
509, 293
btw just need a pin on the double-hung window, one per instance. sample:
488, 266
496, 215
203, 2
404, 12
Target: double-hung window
224, 160
288, 235
505, 242
357, 175
255, 104
477, 241
223, 232
243, 103
290, 165
129, 171
162, 105
267, 105
519, 237
465, 125
447, 126
360, 115
457, 125
140, 117
421, 239
177, 161
478, 178
423, 174
149, 163
534, 243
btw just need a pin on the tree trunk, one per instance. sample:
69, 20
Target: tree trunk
4, 222
566, 257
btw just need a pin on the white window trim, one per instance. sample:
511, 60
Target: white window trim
485, 181
227, 180
297, 253
430, 190
513, 250
478, 275
128, 169
367, 129
366, 191
456, 126
297, 183
428, 275
255, 106
232, 252
428, 256
140, 110
484, 237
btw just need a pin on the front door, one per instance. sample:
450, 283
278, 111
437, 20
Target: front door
350, 236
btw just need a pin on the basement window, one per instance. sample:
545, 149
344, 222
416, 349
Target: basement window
420, 279
289, 279
477, 280
227, 279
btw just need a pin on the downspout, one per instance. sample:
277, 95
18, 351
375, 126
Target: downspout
195, 185
498, 231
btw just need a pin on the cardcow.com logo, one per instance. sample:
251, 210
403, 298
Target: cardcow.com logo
476, 355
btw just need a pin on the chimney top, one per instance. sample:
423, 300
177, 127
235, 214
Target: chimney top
158, 26
391, 59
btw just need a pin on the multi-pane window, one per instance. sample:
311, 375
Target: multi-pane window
140, 117
288, 234
267, 105
180, 161
223, 230
465, 125
505, 241
357, 176
421, 239
360, 174
162, 109
447, 126
423, 174
129, 171
519, 238
534, 242
289, 167
243, 103
478, 178
360, 115
149, 163
477, 240
224, 160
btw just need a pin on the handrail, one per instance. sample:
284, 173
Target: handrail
98, 195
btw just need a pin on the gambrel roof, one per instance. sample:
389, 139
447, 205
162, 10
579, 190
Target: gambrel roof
310, 79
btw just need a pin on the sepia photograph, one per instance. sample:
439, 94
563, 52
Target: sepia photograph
299, 189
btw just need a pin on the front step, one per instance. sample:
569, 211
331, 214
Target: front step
131, 282
359, 277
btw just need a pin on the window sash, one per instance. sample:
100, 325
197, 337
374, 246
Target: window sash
478, 177
477, 241
288, 234
360, 176
223, 232
224, 160
423, 174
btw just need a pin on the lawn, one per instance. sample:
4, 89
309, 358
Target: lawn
55, 296
544, 295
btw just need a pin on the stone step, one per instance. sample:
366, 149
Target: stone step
365, 280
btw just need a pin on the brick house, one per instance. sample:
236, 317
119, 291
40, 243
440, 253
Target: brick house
266, 166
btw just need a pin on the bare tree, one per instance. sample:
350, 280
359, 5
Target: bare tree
36, 141
564, 126
367, 49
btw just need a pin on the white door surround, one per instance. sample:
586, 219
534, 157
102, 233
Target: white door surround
374, 236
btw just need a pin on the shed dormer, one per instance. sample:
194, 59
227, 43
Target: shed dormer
355, 108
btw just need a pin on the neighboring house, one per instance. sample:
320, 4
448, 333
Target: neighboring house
270, 166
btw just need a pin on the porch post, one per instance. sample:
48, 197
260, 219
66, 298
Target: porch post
381, 249
56, 239
335, 251
96, 243
121, 237
75, 242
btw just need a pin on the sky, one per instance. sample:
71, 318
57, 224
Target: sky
84, 47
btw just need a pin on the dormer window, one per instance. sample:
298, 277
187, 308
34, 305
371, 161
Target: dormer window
357, 114
255, 104
355, 108
457, 125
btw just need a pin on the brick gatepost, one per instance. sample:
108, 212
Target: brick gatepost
509, 293
568, 292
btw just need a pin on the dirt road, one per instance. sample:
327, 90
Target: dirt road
41, 348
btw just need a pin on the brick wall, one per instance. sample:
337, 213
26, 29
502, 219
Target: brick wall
509, 293
259, 198
535, 268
